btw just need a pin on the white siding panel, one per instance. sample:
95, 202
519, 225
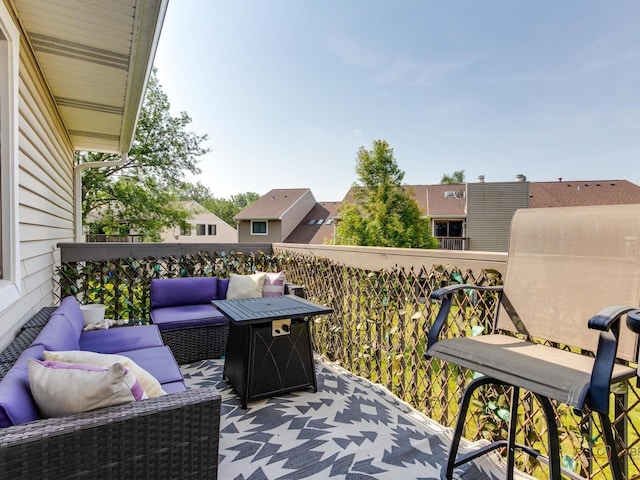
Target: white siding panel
58, 219
36, 265
41, 140
40, 278
45, 196
39, 191
34, 248
54, 235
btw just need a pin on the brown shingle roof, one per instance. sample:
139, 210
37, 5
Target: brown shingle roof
272, 205
314, 232
419, 195
441, 205
580, 192
432, 200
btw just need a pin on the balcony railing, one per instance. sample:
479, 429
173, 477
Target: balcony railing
452, 243
382, 313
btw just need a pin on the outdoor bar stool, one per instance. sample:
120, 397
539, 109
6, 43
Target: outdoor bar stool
572, 276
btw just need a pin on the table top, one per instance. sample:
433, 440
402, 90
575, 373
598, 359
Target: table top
253, 310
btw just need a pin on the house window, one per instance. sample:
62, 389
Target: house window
201, 229
258, 227
212, 230
448, 228
185, 230
9, 241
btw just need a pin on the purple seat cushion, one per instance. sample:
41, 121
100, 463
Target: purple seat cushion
17, 406
186, 316
173, 292
158, 361
119, 339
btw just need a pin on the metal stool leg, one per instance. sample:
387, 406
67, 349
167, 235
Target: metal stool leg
610, 440
511, 439
447, 472
552, 437
553, 459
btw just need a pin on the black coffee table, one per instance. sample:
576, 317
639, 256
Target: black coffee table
269, 348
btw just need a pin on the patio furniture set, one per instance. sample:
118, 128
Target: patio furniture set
173, 433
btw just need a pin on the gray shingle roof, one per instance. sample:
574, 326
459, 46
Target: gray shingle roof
315, 232
272, 205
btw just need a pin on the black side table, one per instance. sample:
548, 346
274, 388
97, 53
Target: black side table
269, 348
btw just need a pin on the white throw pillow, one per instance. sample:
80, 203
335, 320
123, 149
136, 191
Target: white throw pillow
245, 286
151, 386
61, 389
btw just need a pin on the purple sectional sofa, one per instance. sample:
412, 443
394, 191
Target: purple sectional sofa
171, 436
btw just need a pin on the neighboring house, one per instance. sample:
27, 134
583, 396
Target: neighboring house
469, 216
477, 216
274, 216
204, 227
472, 216
72, 77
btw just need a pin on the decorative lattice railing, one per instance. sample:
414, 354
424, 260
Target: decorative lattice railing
378, 330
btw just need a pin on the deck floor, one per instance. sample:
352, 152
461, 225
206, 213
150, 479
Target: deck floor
350, 429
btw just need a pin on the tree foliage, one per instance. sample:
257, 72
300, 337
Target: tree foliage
226, 209
137, 194
384, 212
456, 178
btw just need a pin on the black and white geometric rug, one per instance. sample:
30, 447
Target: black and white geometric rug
350, 429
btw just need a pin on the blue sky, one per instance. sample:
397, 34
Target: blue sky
289, 90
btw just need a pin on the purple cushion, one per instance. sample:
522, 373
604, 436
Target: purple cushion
223, 286
189, 316
17, 406
158, 361
118, 339
173, 292
174, 387
70, 308
58, 334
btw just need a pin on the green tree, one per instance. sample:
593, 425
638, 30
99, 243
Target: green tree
223, 208
384, 212
456, 178
137, 194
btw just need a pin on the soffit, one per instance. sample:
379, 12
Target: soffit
96, 57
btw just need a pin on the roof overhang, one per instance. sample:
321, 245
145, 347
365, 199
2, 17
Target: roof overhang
96, 58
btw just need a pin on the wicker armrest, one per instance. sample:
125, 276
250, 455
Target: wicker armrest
173, 436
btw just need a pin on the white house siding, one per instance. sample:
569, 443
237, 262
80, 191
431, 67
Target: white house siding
225, 233
45, 196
